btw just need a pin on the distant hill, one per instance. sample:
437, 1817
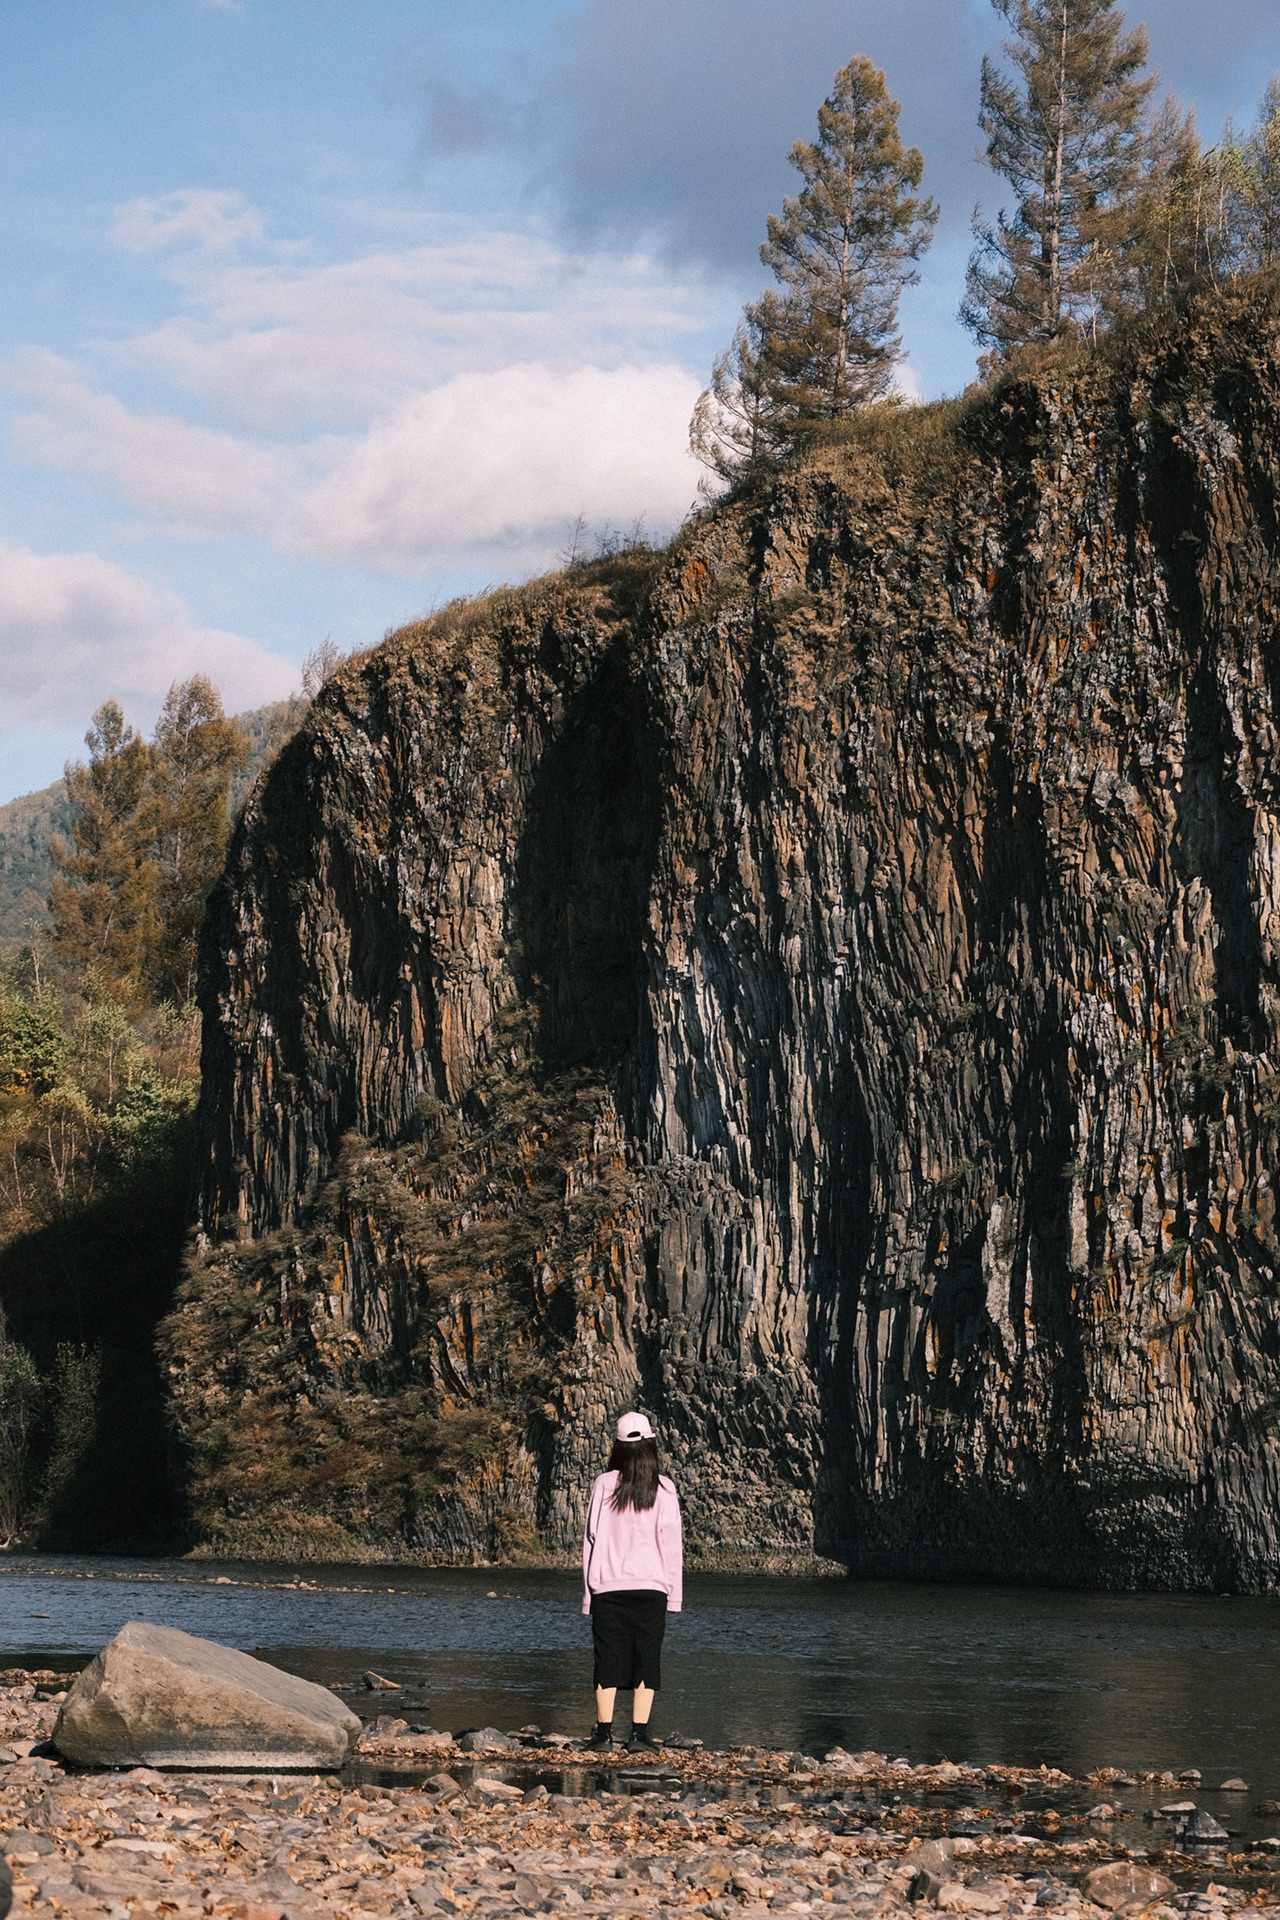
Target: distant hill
28, 824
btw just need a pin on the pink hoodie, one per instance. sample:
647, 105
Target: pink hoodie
629, 1551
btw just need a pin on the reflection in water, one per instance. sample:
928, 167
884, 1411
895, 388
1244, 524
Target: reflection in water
1077, 1680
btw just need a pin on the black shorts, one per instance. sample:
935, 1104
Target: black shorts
626, 1631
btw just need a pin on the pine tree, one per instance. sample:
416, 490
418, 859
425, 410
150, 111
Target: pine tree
1067, 134
196, 753
739, 428
842, 252
103, 896
148, 834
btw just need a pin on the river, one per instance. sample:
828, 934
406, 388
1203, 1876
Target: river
985, 1674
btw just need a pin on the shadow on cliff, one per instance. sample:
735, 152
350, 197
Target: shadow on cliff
84, 1295
583, 874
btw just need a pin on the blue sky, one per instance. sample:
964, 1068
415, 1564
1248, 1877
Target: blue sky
316, 314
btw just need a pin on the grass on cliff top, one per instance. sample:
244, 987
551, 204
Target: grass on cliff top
922, 446
623, 577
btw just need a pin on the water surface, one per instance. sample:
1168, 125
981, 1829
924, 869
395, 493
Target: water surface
1076, 1680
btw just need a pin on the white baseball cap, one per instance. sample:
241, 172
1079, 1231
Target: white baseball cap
634, 1426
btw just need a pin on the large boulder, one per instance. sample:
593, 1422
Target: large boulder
160, 1698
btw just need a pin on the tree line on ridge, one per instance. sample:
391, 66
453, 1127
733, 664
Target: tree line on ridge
1115, 206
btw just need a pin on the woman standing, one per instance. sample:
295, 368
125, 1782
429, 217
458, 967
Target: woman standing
632, 1577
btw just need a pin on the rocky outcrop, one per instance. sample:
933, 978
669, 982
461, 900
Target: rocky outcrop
157, 1697
821, 982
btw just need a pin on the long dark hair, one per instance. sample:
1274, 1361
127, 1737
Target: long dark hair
636, 1465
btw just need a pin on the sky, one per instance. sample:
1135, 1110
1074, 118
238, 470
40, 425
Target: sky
317, 313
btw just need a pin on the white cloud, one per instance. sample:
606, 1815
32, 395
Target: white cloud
76, 630
187, 476
504, 461
192, 217
279, 347
906, 383
496, 462
439, 405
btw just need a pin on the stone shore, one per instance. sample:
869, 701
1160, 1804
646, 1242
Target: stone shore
734, 1835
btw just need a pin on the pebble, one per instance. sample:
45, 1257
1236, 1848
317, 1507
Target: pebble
848, 1837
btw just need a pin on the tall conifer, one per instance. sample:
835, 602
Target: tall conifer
196, 752
103, 896
826, 338
149, 828
1066, 131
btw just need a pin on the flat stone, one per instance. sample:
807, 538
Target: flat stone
116, 1885
955, 1897
1120, 1883
158, 1697
22, 1844
485, 1740
1234, 1786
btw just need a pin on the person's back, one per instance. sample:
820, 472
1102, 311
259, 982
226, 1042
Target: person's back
630, 1549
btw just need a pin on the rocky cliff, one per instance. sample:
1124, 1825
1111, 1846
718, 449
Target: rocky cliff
821, 984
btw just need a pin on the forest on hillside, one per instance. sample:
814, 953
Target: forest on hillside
103, 880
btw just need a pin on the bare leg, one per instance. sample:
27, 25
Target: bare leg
605, 1697
641, 1706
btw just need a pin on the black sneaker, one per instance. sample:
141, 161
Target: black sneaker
599, 1743
642, 1741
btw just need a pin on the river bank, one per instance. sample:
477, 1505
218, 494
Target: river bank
425, 1826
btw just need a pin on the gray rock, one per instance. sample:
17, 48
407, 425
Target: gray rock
1234, 1785
1202, 1827
1121, 1883
21, 1841
485, 1740
158, 1697
931, 1856
924, 1886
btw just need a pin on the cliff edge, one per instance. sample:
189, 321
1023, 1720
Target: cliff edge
820, 982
